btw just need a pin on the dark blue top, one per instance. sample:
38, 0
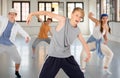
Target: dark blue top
4, 38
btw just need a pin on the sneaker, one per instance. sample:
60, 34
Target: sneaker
83, 70
107, 71
33, 56
17, 74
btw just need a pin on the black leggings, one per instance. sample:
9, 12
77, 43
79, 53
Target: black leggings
53, 64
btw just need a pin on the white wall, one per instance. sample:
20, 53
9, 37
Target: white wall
115, 28
84, 26
92, 8
4, 7
0, 7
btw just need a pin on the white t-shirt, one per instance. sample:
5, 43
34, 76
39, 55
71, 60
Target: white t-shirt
96, 32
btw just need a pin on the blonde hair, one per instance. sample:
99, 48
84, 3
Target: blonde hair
80, 10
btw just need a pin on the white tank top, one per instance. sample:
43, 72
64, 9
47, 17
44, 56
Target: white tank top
96, 32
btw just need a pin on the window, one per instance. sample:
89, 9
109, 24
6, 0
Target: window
111, 7
118, 10
98, 8
0, 7
48, 6
71, 6
23, 9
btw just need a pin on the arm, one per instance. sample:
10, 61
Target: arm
90, 16
85, 46
105, 38
39, 18
61, 19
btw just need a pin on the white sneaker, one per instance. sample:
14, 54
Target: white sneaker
107, 71
83, 70
33, 56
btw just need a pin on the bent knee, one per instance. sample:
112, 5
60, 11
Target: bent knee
17, 60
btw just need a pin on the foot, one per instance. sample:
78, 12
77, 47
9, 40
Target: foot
83, 70
33, 56
17, 74
107, 71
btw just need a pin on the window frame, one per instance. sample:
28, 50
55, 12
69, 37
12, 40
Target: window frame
45, 17
111, 8
74, 7
21, 2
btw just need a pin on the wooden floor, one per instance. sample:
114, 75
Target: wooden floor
30, 68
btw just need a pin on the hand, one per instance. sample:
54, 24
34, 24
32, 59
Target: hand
90, 14
29, 19
40, 19
27, 39
105, 42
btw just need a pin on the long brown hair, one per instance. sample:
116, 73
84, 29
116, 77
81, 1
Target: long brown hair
101, 26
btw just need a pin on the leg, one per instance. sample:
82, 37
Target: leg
17, 66
71, 68
48, 40
14, 55
108, 55
2, 48
50, 68
35, 43
83, 55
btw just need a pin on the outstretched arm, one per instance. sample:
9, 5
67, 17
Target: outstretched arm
85, 46
39, 18
61, 19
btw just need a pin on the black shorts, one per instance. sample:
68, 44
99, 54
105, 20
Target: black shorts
53, 64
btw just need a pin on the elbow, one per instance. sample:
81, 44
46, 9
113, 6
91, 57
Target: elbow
62, 19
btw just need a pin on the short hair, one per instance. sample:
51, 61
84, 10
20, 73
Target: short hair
49, 19
79, 9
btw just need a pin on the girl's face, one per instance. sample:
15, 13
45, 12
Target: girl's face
76, 17
105, 19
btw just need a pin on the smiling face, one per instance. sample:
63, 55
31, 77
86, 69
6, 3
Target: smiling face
77, 15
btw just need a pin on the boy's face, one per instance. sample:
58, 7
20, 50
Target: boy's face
76, 17
49, 21
12, 15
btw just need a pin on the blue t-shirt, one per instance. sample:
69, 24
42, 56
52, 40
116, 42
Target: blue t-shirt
4, 38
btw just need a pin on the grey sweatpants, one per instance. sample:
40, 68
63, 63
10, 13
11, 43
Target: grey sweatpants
12, 52
37, 41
